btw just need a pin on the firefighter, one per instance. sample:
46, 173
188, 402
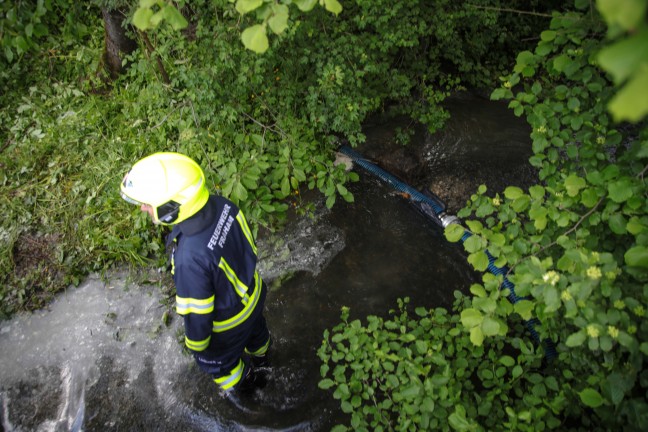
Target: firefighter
219, 292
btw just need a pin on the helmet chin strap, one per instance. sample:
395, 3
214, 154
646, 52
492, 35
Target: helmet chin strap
168, 212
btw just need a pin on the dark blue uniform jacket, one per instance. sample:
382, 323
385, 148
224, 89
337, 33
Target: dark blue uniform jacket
214, 261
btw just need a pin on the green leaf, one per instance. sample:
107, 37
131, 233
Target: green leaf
471, 318
245, 6
524, 308
548, 35
454, 232
620, 190
279, 21
490, 327
537, 192
174, 17
142, 18
627, 104
591, 398
473, 243
333, 6
637, 257
498, 94
421, 346
478, 290
326, 384
561, 62
305, 5
626, 13
625, 58
617, 224
475, 226
574, 184
458, 419
513, 192
521, 203
507, 361
254, 38
589, 197
330, 201
285, 186
341, 189
427, 405
479, 260
239, 193
635, 226
476, 336
576, 339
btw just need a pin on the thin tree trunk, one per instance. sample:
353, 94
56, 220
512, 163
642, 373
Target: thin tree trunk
118, 44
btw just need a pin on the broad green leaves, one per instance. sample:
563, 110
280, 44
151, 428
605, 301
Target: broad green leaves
273, 15
577, 241
255, 39
591, 398
151, 13
276, 17
626, 59
245, 6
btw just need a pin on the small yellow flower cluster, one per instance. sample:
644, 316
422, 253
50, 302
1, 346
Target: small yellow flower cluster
594, 273
596, 256
639, 311
600, 140
566, 296
542, 129
551, 277
496, 201
508, 84
613, 332
592, 331
619, 304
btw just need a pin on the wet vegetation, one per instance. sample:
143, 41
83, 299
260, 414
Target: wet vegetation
262, 92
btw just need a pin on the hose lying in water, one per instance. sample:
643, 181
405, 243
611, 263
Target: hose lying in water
432, 207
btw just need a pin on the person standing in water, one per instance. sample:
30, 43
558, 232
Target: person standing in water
219, 292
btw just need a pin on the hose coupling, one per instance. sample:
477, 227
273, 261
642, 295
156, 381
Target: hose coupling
447, 219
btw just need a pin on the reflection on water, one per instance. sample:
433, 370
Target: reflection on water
100, 358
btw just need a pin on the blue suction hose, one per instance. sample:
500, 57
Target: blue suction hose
432, 207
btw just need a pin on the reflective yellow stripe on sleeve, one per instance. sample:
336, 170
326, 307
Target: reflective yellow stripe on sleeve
221, 326
229, 381
197, 345
240, 288
187, 305
246, 231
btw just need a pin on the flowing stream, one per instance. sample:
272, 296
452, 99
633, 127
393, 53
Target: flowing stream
101, 358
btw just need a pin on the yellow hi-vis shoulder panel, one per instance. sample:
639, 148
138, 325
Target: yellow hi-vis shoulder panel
228, 381
221, 326
240, 288
197, 345
246, 231
187, 305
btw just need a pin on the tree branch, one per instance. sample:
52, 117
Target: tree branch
521, 12
149, 51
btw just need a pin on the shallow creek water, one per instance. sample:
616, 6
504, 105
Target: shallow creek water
99, 358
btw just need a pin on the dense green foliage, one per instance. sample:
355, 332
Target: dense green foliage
262, 126
576, 245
